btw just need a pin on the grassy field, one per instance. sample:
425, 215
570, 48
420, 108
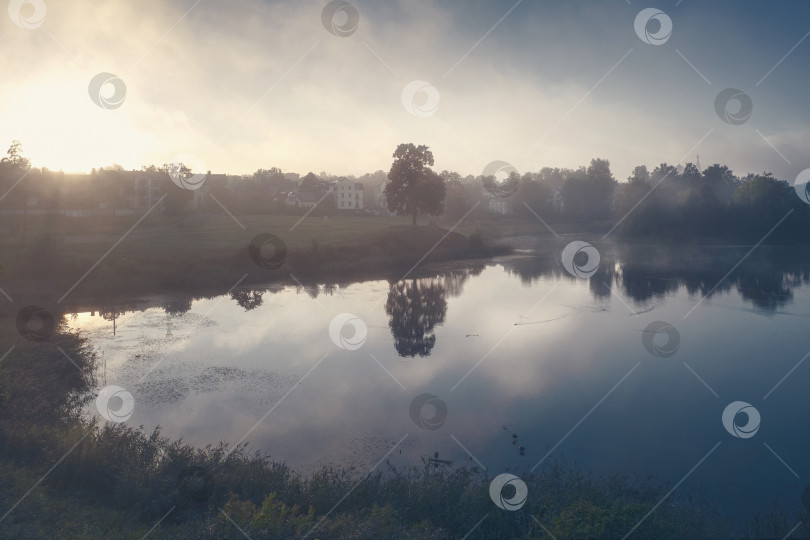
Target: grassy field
120, 255
219, 231
201, 230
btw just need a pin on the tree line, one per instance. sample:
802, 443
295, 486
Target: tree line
666, 203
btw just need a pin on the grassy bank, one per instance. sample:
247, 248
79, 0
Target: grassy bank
207, 254
63, 477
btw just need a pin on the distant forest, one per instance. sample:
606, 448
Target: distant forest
668, 204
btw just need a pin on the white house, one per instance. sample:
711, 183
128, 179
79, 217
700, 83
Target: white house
348, 194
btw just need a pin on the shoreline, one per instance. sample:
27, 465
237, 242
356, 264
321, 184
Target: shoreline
120, 285
389, 254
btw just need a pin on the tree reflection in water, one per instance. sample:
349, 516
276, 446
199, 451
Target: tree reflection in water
645, 274
416, 306
247, 299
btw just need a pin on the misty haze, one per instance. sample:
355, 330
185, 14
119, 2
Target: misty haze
341, 269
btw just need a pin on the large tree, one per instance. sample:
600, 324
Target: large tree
631, 193
413, 188
309, 184
533, 197
588, 192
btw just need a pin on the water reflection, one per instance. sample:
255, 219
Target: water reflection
177, 306
414, 308
766, 278
641, 274
249, 300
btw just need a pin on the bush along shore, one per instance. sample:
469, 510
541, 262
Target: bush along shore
63, 475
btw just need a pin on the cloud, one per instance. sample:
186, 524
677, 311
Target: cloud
250, 84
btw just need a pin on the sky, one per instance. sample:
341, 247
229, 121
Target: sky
248, 84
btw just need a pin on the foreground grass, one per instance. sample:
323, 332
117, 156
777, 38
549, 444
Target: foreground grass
64, 477
125, 480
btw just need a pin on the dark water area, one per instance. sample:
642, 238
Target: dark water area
627, 371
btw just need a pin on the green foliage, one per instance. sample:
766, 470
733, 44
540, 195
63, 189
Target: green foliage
272, 519
588, 193
582, 519
714, 204
309, 183
535, 196
413, 188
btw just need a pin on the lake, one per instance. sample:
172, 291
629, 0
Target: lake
505, 365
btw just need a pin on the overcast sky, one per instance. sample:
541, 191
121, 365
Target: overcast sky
245, 84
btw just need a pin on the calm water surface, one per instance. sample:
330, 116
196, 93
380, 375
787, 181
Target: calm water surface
511, 346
